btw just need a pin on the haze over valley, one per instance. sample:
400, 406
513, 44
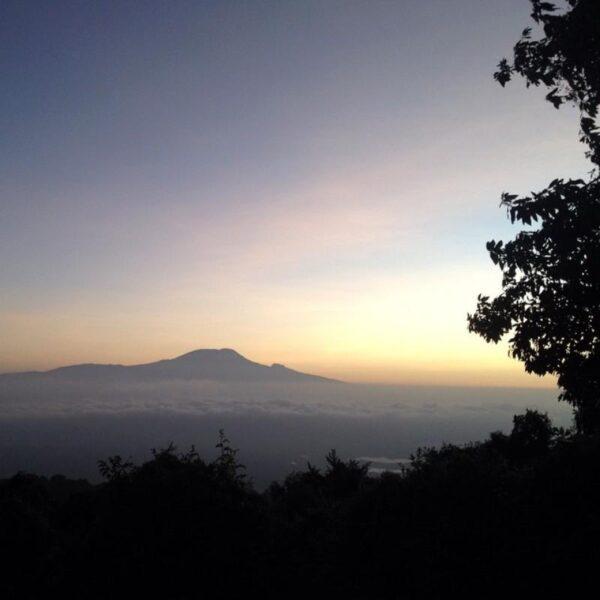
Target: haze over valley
279, 418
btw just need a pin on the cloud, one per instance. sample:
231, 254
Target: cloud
48, 398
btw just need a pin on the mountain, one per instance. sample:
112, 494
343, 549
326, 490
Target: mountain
223, 365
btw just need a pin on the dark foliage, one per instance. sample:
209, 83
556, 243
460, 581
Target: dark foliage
566, 60
516, 514
551, 291
550, 301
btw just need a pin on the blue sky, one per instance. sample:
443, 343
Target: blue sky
308, 182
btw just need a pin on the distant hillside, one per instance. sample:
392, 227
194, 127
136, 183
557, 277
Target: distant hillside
224, 365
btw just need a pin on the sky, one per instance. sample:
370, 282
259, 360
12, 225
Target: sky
310, 183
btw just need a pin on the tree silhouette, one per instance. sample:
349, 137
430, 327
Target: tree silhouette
532, 435
550, 301
459, 521
227, 463
566, 60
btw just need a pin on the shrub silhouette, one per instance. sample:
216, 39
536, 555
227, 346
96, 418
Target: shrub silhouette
160, 528
490, 518
550, 301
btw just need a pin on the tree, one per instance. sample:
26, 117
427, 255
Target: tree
227, 463
566, 60
550, 301
532, 434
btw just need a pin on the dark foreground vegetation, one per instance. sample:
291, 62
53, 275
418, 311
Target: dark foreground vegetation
515, 514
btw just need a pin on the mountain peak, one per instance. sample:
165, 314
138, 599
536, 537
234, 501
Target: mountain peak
223, 364
201, 353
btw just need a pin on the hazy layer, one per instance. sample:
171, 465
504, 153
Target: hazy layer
48, 398
67, 427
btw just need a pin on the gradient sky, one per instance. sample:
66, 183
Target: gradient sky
310, 183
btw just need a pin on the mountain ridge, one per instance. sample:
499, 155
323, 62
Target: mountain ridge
224, 364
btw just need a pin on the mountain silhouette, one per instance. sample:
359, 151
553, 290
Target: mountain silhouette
224, 365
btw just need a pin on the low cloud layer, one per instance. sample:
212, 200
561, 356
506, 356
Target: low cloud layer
65, 428
50, 398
